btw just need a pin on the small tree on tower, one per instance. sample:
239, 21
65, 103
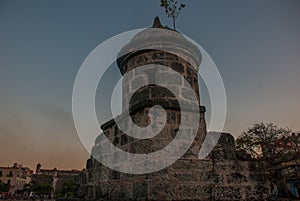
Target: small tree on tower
172, 9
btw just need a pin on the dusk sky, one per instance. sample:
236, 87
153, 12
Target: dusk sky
255, 45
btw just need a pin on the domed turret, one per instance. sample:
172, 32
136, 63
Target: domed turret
158, 45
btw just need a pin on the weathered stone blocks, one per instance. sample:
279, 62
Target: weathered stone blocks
220, 176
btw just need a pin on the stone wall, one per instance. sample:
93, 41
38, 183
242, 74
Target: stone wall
219, 177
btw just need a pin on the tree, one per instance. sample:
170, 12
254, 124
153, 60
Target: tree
70, 189
172, 9
270, 145
4, 187
264, 141
40, 188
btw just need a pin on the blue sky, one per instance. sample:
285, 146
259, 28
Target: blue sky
255, 45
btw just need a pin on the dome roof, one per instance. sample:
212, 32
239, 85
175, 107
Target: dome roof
160, 38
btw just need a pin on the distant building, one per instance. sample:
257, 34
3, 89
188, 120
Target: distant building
290, 164
16, 176
55, 178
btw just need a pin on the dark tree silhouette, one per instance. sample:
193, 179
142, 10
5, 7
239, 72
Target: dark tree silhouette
271, 146
264, 141
4, 187
172, 9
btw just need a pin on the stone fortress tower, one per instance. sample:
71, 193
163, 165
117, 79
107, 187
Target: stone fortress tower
220, 176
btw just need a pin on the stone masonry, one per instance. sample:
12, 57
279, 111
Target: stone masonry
220, 176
